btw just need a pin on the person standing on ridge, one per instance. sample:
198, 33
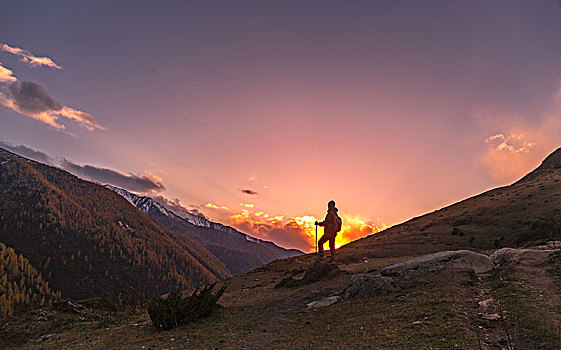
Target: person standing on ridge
332, 225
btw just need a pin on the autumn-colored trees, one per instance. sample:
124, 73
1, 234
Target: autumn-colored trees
89, 241
20, 283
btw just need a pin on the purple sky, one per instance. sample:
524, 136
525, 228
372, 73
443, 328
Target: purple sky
391, 108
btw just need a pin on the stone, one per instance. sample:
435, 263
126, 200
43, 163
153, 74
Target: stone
47, 337
67, 306
491, 317
365, 285
456, 259
485, 304
323, 303
506, 256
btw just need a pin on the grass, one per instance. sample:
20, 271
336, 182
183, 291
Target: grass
258, 316
528, 322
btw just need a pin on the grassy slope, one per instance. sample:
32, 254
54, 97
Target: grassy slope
431, 312
523, 213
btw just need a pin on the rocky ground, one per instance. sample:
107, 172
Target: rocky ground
460, 299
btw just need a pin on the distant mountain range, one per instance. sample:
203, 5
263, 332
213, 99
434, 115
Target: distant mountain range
238, 251
87, 240
84, 240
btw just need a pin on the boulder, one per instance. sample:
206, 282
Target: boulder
323, 303
505, 256
457, 259
364, 285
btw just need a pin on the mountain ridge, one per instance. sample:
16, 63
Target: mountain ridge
89, 241
238, 251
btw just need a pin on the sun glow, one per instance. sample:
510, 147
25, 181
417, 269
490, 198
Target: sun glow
300, 231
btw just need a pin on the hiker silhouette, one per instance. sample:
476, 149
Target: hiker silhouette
332, 225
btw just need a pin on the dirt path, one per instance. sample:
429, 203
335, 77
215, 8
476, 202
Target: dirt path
493, 319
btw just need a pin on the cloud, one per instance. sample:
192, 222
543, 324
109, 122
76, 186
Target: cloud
27, 152
299, 231
33, 100
520, 146
290, 233
513, 154
33, 97
6, 75
131, 182
137, 183
28, 57
214, 206
515, 143
250, 192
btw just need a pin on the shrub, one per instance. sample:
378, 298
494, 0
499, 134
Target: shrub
175, 309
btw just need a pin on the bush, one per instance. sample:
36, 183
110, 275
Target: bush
175, 309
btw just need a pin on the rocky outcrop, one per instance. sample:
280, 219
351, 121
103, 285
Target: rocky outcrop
364, 285
459, 259
507, 256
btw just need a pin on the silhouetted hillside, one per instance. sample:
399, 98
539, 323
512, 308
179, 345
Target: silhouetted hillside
524, 213
87, 240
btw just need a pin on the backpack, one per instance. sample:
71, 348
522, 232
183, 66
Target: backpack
337, 223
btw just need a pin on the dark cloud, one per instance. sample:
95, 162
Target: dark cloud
27, 152
131, 182
33, 97
246, 191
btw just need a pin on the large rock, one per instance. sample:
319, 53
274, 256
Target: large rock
505, 256
458, 259
363, 285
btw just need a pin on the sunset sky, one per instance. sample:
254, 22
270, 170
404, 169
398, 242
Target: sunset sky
257, 113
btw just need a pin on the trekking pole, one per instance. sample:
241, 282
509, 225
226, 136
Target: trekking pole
317, 253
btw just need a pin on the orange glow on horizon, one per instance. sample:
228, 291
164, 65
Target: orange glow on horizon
300, 231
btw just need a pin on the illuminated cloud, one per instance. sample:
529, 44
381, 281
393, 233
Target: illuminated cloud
33, 100
213, 206
6, 75
247, 191
298, 232
511, 154
131, 182
28, 57
515, 143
